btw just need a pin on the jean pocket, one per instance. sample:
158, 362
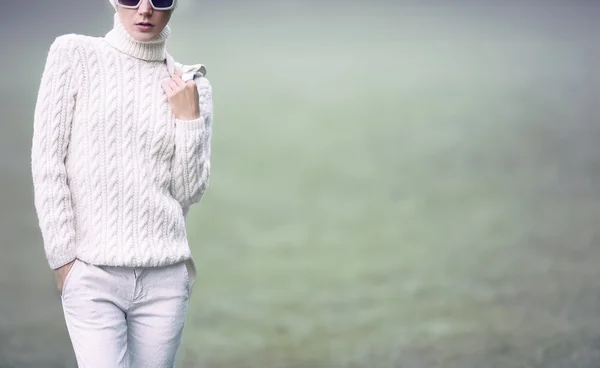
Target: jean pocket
190, 274
68, 278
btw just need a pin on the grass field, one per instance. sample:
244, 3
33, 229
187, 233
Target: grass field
392, 187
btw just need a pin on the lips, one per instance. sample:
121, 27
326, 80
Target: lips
144, 27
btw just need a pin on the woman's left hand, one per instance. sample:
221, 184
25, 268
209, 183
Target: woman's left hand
183, 97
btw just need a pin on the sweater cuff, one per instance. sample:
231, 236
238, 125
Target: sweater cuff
58, 260
196, 124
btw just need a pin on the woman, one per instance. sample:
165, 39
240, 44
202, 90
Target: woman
121, 150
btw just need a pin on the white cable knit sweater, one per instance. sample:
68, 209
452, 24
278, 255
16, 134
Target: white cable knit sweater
114, 172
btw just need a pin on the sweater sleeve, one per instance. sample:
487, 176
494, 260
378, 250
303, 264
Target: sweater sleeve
53, 116
190, 166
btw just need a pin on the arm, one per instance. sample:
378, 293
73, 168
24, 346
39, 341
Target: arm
191, 160
51, 131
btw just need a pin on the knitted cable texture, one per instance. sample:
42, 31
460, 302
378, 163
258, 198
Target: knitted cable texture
114, 171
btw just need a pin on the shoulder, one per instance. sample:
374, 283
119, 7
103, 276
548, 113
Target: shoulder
67, 42
197, 72
70, 43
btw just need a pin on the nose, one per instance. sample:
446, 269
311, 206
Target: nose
145, 8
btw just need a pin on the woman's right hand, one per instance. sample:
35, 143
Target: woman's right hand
60, 274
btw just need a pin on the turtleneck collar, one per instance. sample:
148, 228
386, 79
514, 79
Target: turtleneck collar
154, 50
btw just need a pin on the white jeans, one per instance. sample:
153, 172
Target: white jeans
124, 317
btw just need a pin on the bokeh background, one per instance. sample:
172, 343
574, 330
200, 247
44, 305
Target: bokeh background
394, 184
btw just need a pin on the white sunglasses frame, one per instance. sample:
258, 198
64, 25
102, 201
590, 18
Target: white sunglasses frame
118, 2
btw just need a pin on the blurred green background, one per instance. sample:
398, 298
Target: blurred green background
394, 184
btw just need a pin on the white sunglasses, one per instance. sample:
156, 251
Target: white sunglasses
156, 4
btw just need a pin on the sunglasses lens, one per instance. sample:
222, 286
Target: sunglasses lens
130, 3
157, 4
162, 4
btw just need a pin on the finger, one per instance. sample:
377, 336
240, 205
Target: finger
179, 72
166, 86
179, 81
173, 85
